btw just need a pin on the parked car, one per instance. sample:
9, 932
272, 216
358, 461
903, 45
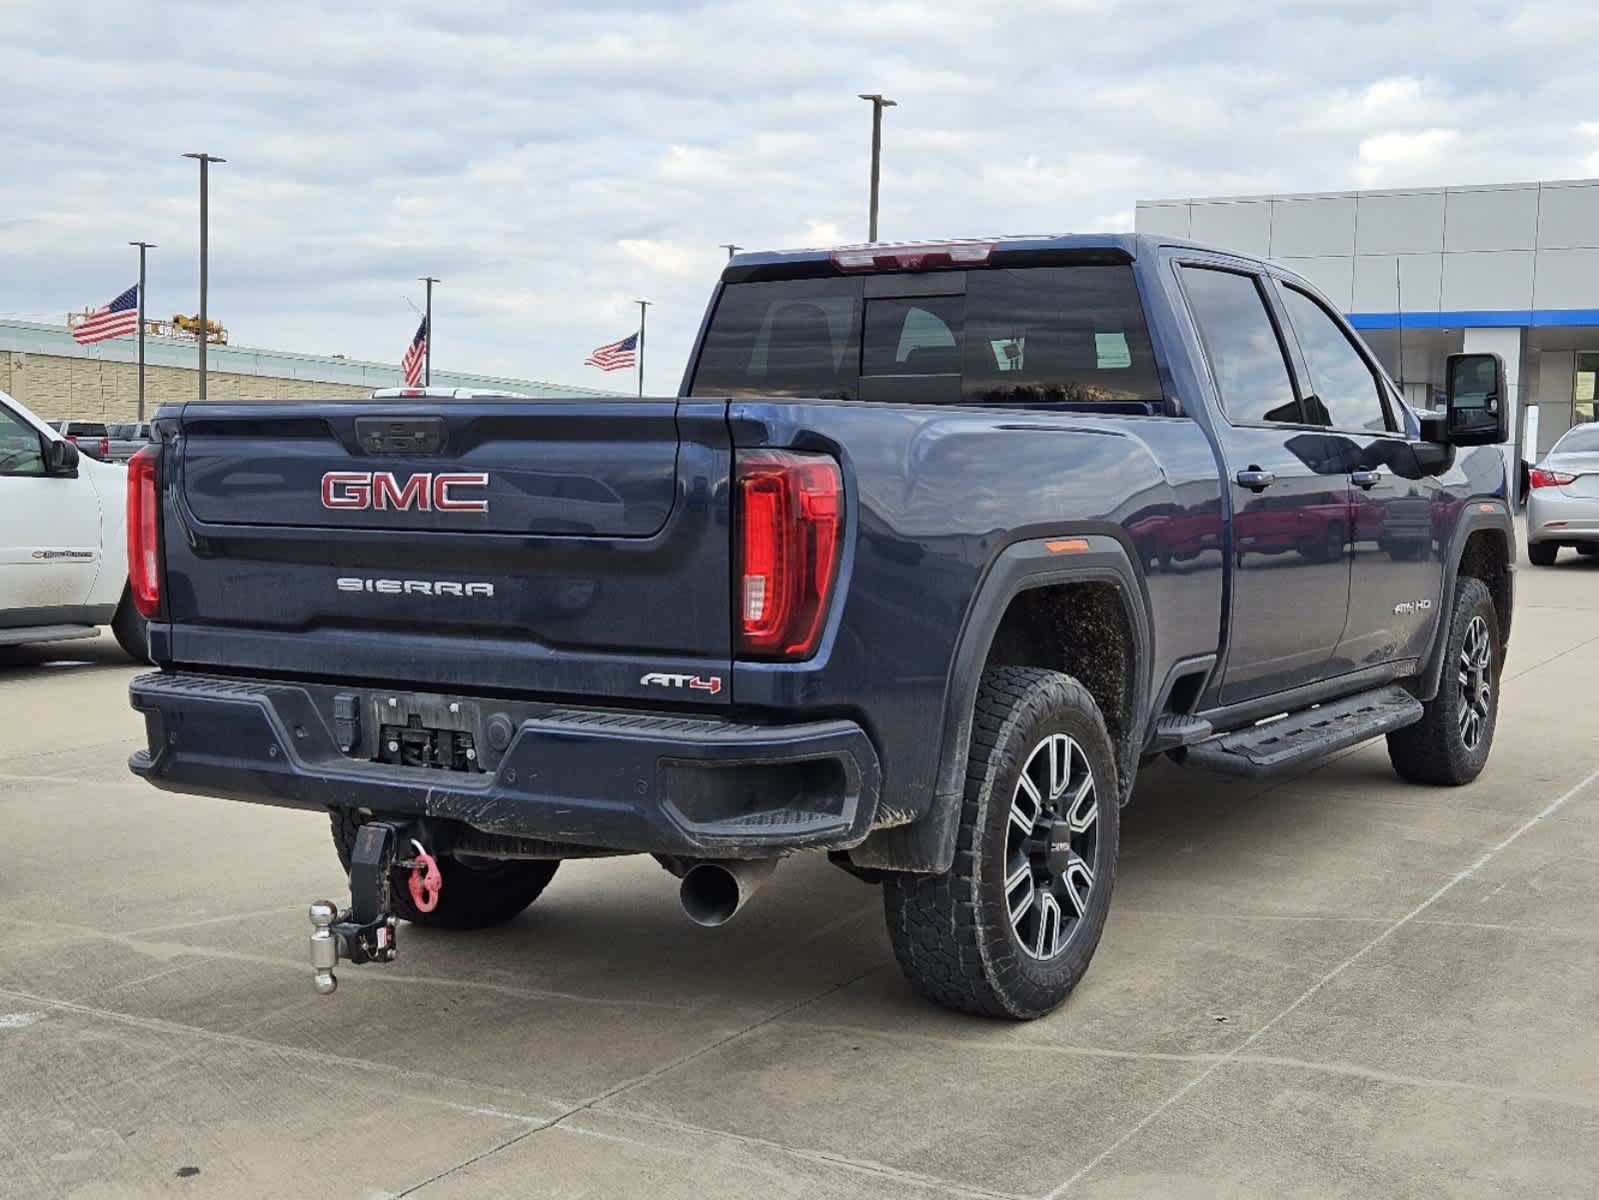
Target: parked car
92, 438
1563, 497
127, 439
63, 539
877, 581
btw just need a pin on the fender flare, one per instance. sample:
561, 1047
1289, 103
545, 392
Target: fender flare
928, 843
1480, 513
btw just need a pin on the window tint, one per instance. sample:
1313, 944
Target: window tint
1048, 335
21, 452
795, 337
1344, 384
1246, 358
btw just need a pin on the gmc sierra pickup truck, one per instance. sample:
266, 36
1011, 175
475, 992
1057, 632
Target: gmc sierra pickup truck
936, 544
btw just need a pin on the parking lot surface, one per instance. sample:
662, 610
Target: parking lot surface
1334, 984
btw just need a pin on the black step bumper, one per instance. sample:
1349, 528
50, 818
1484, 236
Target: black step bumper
587, 777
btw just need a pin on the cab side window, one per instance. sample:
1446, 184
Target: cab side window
21, 450
1346, 390
1246, 356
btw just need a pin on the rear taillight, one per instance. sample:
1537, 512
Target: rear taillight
1539, 477
144, 530
790, 510
105, 447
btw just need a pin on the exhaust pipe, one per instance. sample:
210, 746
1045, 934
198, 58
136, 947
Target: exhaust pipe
713, 891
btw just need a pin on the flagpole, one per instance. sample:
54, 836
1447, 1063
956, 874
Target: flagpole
643, 310
143, 246
427, 325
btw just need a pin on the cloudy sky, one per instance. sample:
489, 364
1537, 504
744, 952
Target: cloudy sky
553, 162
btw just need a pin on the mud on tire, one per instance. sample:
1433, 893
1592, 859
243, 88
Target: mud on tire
475, 894
1039, 818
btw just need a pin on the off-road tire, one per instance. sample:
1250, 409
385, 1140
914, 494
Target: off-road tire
131, 630
473, 896
953, 933
1434, 750
1542, 554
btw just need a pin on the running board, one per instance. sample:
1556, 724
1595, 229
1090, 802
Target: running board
45, 633
1305, 736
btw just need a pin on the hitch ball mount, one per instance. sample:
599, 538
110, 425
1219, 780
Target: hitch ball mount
364, 932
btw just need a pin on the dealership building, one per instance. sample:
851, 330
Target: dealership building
43, 368
1427, 272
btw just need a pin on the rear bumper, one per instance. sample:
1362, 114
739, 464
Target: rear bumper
1553, 516
588, 777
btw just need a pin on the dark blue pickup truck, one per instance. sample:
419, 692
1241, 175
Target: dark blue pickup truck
936, 545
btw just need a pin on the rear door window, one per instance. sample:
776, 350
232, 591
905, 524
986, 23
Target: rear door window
1246, 357
1034, 335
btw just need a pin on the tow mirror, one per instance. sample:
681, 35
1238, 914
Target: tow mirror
1476, 400
60, 456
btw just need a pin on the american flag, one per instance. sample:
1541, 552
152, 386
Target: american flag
117, 319
415, 355
613, 356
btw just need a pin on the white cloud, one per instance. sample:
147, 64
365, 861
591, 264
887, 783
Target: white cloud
549, 174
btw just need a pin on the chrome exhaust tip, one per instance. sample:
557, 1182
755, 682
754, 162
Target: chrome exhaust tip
713, 892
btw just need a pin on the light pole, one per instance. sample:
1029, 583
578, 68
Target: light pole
643, 310
427, 345
205, 161
731, 248
143, 246
878, 105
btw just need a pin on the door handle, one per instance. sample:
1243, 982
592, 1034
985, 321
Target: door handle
1255, 479
1365, 479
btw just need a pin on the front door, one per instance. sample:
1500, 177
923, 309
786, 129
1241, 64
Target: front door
1290, 492
49, 532
1397, 510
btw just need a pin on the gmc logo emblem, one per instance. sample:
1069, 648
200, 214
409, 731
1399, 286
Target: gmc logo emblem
423, 492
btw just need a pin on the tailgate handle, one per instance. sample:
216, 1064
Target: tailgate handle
401, 435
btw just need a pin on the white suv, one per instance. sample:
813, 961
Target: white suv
63, 539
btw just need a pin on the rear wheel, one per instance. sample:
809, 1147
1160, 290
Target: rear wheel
1588, 549
1009, 930
1450, 744
1542, 554
476, 893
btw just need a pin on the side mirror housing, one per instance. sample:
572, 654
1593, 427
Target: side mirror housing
60, 457
1476, 403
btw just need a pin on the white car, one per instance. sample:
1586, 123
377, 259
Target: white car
63, 539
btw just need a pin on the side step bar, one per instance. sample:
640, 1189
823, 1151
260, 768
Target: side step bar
1305, 736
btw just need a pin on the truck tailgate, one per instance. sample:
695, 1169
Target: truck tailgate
555, 547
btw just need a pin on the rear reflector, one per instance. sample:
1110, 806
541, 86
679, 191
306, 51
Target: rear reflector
789, 512
144, 531
913, 256
1541, 478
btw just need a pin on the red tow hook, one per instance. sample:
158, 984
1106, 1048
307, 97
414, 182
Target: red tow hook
425, 882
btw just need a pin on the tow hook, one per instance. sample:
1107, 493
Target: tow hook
425, 881
364, 932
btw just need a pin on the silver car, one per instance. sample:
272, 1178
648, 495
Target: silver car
1563, 497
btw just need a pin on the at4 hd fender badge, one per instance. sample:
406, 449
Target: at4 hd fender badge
698, 683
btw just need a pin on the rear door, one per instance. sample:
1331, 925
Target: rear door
553, 546
1290, 492
1394, 562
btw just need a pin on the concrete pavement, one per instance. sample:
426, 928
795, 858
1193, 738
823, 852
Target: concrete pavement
1332, 985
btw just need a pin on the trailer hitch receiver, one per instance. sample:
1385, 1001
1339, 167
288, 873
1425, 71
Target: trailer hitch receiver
364, 932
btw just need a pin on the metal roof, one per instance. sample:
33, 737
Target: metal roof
31, 337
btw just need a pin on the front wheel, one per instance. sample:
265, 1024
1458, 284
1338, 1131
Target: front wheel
1450, 744
476, 893
1009, 930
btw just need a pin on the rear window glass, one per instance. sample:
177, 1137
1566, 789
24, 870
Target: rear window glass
1035, 335
1578, 439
